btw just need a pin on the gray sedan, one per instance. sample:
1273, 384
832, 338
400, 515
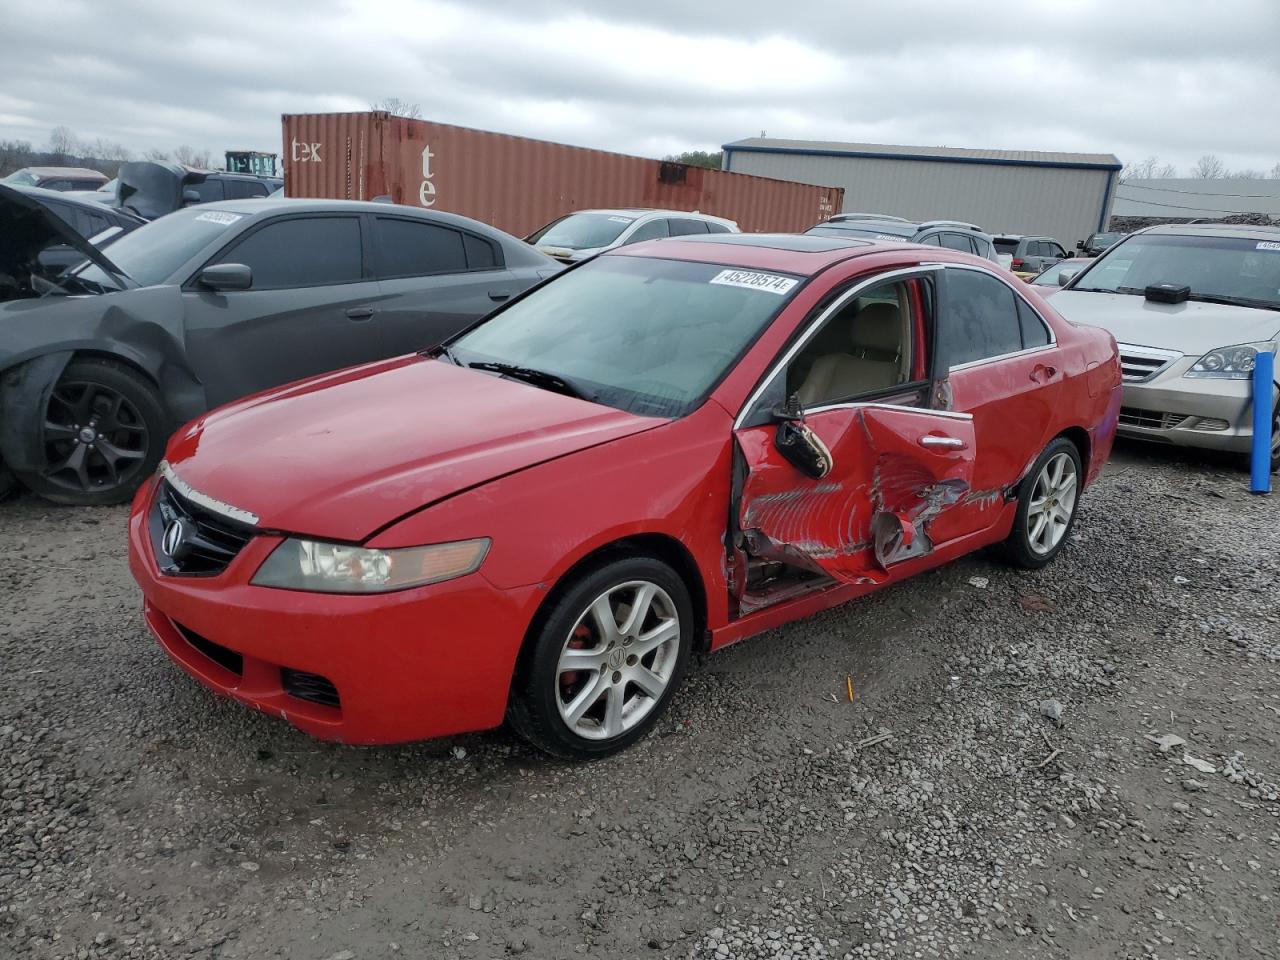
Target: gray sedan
212, 303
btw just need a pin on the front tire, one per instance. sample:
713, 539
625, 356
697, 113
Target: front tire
1048, 500
102, 434
605, 660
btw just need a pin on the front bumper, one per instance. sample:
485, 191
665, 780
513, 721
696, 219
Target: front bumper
1190, 411
386, 668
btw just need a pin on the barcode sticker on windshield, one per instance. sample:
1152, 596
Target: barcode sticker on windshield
1268, 245
620, 219
213, 216
769, 282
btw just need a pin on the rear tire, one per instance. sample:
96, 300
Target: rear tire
1048, 501
604, 661
102, 434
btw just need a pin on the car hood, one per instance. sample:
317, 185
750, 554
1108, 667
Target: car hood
27, 226
1192, 328
343, 455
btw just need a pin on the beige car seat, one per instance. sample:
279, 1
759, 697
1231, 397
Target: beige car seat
873, 363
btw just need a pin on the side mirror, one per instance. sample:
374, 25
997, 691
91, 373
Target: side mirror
800, 446
189, 197
1066, 276
1070, 255
1079, 244
226, 276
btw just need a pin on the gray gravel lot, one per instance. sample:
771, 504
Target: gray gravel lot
943, 812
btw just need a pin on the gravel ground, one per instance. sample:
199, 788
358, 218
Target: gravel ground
994, 789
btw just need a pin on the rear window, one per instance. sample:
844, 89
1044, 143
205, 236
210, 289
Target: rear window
1006, 246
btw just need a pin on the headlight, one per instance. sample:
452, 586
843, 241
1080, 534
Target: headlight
338, 568
1230, 363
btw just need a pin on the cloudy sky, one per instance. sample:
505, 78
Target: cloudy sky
1177, 78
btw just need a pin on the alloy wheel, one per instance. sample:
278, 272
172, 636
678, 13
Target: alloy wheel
618, 660
94, 437
1053, 501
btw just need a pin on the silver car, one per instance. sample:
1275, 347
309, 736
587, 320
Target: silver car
588, 232
1192, 306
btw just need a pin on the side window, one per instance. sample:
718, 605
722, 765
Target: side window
864, 347
933, 240
481, 254
1034, 333
244, 189
956, 241
713, 227
653, 230
1056, 251
207, 190
681, 228
56, 185
302, 252
979, 318
412, 248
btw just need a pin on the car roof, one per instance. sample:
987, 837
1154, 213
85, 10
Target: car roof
647, 211
65, 172
800, 254
262, 206
1244, 230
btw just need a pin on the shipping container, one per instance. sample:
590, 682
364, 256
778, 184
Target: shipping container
519, 184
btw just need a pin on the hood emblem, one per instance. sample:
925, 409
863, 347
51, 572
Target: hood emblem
174, 542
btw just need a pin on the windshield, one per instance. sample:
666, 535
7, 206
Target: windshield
21, 177
153, 252
647, 336
1234, 268
1049, 276
1100, 241
583, 231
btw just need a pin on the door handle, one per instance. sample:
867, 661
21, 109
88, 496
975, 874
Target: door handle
360, 313
1042, 373
942, 443
499, 295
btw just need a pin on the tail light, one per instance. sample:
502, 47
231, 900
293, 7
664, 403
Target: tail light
1016, 264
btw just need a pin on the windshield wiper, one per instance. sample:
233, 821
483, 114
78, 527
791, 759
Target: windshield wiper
1234, 301
443, 351
539, 378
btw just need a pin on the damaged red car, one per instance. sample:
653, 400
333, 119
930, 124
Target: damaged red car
656, 453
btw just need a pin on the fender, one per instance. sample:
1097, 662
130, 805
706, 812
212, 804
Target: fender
24, 395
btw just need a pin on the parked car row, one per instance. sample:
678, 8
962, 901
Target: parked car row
750, 427
101, 364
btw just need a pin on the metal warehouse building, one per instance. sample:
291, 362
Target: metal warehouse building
1062, 195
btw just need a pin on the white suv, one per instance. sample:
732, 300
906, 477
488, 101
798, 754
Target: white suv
588, 232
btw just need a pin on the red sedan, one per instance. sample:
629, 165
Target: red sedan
662, 450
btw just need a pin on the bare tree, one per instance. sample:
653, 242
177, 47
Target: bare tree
1209, 167
14, 155
1247, 174
1274, 172
1148, 169
155, 156
185, 155
401, 108
62, 144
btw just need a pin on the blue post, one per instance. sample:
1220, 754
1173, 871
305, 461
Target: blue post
1263, 375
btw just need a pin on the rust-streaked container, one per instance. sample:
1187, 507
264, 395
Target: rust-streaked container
519, 184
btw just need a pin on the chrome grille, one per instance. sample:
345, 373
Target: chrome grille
210, 542
1151, 419
1139, 364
